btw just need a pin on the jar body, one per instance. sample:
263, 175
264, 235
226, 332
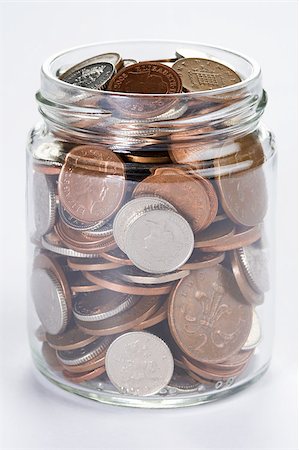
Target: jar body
137, 226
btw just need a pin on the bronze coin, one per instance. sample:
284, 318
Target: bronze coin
206, 315
95, 363
117, 256
199, 260
157, 317
91, 264
248, 293
91, 184
186, 193
215, 234
79, 284
124, 321
50, 357
199, 74
243, 196
148, 159
211, 374
108, 282
146, 78
199, 379
236, 360
71, 339
242, 237
81, 377
47, 169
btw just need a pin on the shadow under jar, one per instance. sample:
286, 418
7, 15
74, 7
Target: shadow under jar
151, 226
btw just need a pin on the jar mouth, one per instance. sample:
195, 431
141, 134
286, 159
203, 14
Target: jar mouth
250, 68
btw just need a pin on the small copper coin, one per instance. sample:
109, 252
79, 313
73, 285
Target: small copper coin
243, 196
211, 373
186, 193
91, 184
215, 234
157, 317
108, 282
79, 284
50, 357
92, 364
71, 339
87, 376
199, 260
91, 264
47, 169
124, 321
242, 237
200, 74
117, 256
146, 78
206, 315
248, 293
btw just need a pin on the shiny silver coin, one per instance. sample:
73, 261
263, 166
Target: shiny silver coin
139, 363
44, 198
255, 333
75, 224
103, 230
130, 209
95, 306
50, 152
84, 354
133, 275
159, 241
173, 113
182, 382
49, 301
64, 251
128, 62
92, 76
255, 265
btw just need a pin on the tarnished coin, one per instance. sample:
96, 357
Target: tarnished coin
206, 316
181, 381
198, 74
146, 78
79, 284
44, 198
255, 333
254, 262
124, 321
84, 354
92, 76
217, 233
111, 58
129, 210
139, 363
95, 306
199, 260
188, 194
159, 241
134, 275
157, 317
86, 188
71, 339
49, 300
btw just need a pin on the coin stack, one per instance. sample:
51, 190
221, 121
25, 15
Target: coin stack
150, 257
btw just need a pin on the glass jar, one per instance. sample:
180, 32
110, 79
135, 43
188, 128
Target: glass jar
151, 233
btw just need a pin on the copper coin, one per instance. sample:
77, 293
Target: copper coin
146, 78
50, 357
124, 321
91, 264
199, 379
186, 193
248, 293
91, 184
243, 196
79, 284
200, 74
117, 256
211, 375
71, 339
206, 315
199, 260
109, 282
215, 234
148, 159
47, 169
87, 376
95, 363
157, 317
54, 244
242, 237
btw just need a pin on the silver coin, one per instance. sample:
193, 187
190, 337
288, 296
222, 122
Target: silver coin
44, 198
255, 333
129, 62
51, 152
125, 214
159, 241
49, 301
64, 251
254, 263
105, 229
133, 275
84, 354
139, 363
181, 381
75, 224
92, 76
84, 312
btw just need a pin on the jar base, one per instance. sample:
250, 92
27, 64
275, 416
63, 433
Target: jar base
169, 397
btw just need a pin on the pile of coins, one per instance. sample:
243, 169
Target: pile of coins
149, 275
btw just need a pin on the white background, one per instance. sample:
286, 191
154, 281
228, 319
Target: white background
38, 416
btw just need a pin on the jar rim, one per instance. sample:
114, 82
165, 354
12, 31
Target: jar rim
46, 70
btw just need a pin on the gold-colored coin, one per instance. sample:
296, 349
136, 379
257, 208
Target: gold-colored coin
199, 74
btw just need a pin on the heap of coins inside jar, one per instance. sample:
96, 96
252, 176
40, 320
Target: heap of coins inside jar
150, 263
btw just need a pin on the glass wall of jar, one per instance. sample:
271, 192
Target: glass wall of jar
151, 227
